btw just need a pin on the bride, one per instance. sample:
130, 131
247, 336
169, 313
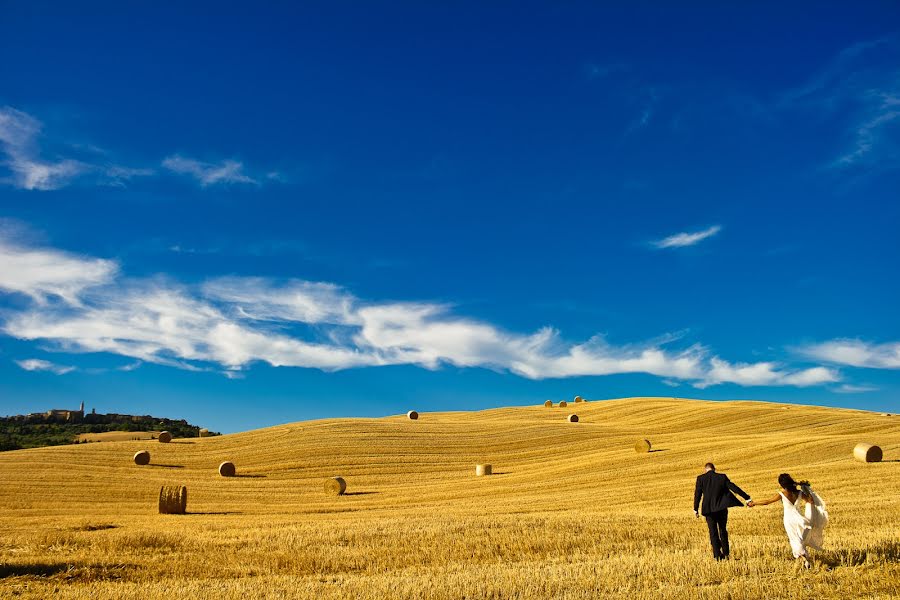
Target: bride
804, 530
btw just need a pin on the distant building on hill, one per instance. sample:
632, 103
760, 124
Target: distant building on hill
64, 415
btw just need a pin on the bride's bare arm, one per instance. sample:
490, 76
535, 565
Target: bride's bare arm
764, 502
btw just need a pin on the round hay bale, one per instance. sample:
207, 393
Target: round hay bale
483, 470
548, 404
226, 469
172, 500
165, 437
142, 458
867, 453
885, 414
335, 486
412, 415
642, 446
579, 399
203, 433
563, 404
572, 419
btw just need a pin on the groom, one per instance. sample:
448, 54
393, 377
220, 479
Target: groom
716, 488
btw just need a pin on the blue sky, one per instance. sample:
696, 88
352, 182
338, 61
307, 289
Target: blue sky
246, 217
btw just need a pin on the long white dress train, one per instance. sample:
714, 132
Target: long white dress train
805, 530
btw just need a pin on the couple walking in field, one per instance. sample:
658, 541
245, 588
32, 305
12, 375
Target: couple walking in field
804, 529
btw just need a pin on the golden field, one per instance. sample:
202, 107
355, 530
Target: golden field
117, 436
572, 510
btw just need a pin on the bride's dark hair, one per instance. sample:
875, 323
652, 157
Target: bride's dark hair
787, 482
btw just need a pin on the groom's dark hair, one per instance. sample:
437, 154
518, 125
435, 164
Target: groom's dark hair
709, 466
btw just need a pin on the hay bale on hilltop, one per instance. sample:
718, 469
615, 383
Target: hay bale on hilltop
867, 453
563, 404
548, 404
164, 437
578, 399
226, 469
572, 418
172, 500
412, 415
642, 446
203, 433
142, 458
335, 486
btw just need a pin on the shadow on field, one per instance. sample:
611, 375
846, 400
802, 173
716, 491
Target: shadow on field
358, 493
181, 442
500, 473
95, 527
213, 512
167, 466
250, 475
658, 450
65, 571
888, 552
36, 570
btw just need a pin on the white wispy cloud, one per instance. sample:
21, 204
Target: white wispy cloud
230, 323
855, 353
41, 273
680, 240
848, 388
36, 364
860, 87
227, 171
765, 374
18, 142
27, 169
118, 175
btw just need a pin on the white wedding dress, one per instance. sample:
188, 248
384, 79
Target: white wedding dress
805, 529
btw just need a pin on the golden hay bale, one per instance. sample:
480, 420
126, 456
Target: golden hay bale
548, 404
226, 469
203, 433
412, 415
867, 453
642, 446
142, 458
172, 500
572, 419
483, 470
579, 399
165, 437
335, 486
563, 404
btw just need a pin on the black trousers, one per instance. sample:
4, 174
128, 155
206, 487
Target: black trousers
718, 532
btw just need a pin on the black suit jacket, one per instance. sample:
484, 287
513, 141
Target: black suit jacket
716, 488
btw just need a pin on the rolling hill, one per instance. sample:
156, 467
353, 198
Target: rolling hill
572, 510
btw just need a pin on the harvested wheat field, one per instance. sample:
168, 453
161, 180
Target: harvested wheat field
569, 512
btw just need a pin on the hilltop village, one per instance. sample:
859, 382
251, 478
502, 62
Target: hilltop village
62, 426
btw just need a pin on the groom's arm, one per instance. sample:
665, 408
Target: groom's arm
697, 493
734, 488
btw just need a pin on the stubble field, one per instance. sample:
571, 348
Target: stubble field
572, 510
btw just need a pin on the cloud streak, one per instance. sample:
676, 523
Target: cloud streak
36, 364
855, 353
231, 323
18, 142
207, 174
860, 86
684, 239
21, 155
45, 273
